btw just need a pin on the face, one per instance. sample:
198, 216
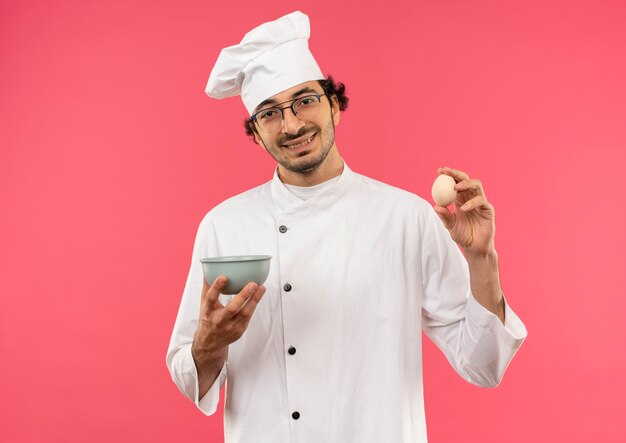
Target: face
301, 146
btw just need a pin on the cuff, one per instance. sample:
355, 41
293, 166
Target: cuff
208, 403
512, 332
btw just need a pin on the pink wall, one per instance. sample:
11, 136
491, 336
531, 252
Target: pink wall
110, 154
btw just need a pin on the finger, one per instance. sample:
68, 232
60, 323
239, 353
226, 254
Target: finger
205, 289
470, 185
480, 201
447, 217
214, 291
250, 306
455, 174
239, 300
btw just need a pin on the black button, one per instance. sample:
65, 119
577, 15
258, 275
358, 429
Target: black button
282, 229
296, 415
287, 287
291, 350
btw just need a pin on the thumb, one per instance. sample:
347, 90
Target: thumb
447, 217
211, 294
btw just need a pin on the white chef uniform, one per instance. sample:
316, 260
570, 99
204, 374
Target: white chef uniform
333, 351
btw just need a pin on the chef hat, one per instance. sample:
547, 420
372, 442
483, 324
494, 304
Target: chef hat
271, 58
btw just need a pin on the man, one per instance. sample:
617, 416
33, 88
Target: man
329, 348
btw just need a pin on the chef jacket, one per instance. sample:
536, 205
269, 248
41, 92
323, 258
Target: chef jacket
333, 352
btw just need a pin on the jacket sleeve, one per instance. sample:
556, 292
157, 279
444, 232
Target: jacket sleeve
473, 339
179, 359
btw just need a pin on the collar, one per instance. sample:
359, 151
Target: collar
290, 207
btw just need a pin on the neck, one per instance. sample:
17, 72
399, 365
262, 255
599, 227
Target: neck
331, 167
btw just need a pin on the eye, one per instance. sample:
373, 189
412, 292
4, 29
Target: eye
306, 101
267, 114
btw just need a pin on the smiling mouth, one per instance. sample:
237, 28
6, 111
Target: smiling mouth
301, 144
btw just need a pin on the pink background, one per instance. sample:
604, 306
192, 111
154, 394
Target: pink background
110, 154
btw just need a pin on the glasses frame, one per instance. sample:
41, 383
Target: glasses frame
253, 117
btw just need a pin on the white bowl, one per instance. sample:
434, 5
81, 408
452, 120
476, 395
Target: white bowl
238, 269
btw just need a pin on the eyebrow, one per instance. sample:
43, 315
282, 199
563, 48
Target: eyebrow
270, 101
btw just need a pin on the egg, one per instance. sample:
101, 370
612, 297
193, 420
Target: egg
443, 190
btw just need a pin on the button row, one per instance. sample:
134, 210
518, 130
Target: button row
287, 287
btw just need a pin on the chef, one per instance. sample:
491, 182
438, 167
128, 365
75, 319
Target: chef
329, 348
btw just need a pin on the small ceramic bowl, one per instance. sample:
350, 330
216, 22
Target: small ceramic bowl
238, 269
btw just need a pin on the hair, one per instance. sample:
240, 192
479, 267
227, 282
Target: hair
331, 89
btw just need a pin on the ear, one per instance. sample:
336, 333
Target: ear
334, 103
258, 140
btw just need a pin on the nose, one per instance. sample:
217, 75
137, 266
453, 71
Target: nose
291, 122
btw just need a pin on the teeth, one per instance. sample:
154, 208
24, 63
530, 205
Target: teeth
301, 144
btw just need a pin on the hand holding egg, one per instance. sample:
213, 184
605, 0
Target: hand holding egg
472, 224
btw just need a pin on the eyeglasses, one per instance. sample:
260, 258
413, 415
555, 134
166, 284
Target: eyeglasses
271, 119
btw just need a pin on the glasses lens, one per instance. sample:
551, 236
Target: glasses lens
307, 107
269, 119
